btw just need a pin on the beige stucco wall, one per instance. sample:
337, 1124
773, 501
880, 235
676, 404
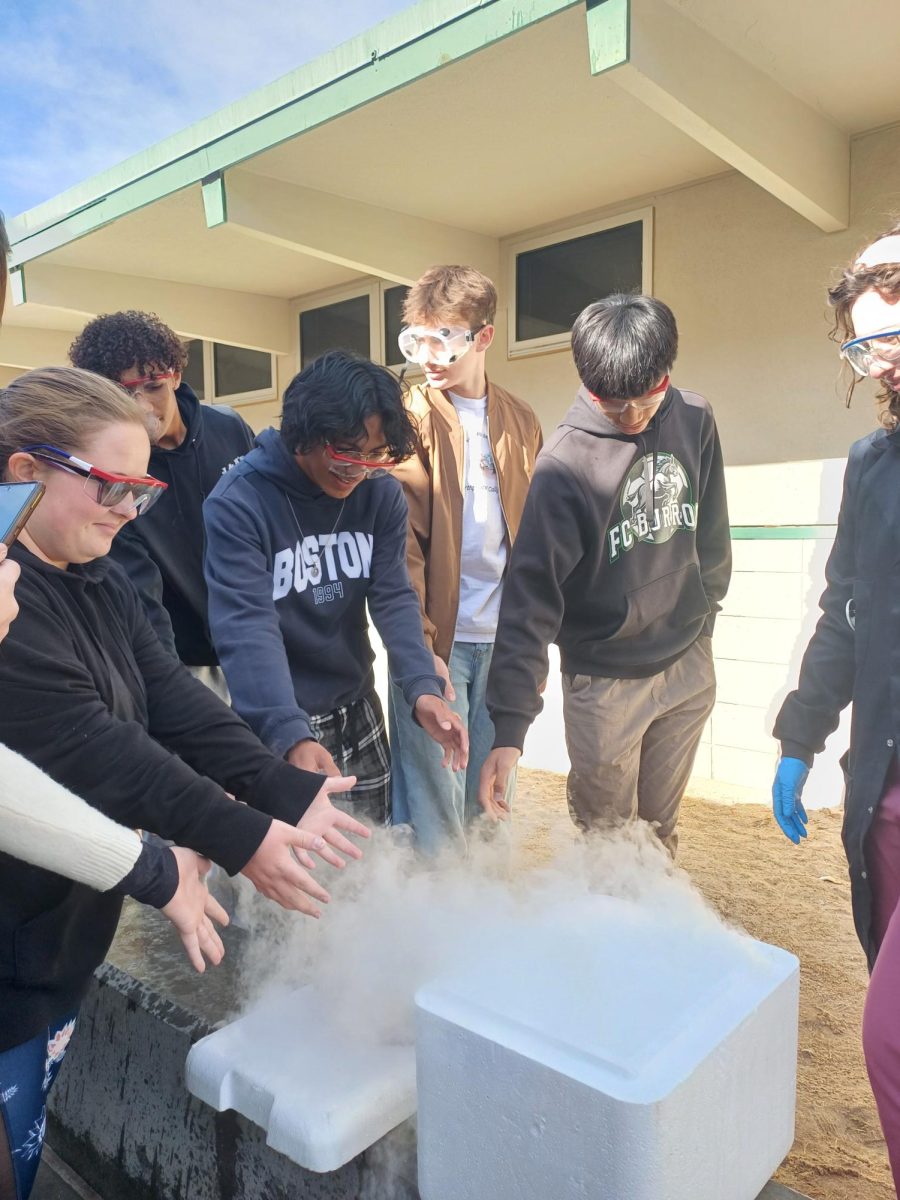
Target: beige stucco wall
747, 278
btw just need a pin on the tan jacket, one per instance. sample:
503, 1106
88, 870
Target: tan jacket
433, 482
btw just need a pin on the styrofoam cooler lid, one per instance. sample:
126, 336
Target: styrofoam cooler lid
624, 998
286, 1066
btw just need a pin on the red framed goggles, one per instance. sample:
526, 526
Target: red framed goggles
350, 464
112, 488
136, 386
649, 400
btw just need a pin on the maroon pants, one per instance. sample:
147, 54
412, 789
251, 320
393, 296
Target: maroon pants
881, 1018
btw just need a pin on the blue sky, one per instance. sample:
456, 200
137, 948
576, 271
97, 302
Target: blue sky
86, 83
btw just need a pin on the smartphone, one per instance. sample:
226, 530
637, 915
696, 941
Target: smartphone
17, 502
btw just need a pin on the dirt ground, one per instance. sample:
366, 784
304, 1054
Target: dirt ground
798, 898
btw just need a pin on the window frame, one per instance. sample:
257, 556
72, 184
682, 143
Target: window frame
230, 398
336, 295
552, 342
212, 396
375, 290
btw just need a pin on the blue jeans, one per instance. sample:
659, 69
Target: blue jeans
439, 803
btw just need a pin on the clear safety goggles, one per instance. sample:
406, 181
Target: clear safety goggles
357, 466
418, 344
112, 489
863, 352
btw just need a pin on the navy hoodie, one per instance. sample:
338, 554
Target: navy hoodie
291, 635
162, 552
622, 557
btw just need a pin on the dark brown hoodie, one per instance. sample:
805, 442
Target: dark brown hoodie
623, 554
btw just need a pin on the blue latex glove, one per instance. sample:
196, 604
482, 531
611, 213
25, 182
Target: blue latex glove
786, 790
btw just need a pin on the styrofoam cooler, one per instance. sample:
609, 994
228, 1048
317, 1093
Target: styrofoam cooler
612, 1053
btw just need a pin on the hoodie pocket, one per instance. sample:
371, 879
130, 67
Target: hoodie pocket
671, 603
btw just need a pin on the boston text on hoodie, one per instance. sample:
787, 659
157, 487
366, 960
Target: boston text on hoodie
162, 552
623, 554
290, 571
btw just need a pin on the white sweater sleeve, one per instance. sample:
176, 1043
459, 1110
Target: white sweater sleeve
44, 824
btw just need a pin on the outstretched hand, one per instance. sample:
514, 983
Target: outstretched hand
277, 868
331, 824
492, 783
786, 803
192, 910
444, 725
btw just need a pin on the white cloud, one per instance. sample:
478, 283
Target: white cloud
86, 83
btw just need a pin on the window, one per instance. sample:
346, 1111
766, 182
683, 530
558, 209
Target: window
218, 372
552, 278
193, 372
237, 371
343, 325
366, 319
393, 323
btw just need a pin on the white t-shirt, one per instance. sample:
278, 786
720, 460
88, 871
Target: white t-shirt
484, 550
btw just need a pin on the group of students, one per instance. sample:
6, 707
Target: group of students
192, 625
192, 630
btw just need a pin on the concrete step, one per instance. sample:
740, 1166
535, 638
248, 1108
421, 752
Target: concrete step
57, 1181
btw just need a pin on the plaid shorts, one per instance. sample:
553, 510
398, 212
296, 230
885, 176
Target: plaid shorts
355, 737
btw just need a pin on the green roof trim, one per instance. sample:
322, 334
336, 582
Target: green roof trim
609, 34
406, 47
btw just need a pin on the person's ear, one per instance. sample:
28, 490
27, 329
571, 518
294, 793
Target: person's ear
176, 381
22, 468
484, 337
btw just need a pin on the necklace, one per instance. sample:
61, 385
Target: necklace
314, 555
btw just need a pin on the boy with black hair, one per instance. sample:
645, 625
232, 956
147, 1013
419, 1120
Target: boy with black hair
465, 486
302, 535
193, 445
623, 556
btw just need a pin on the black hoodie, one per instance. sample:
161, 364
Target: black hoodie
292, 635
88, 694
162, 552
623, 554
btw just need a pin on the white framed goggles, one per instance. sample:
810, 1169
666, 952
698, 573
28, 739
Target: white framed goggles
862, 352
419, 344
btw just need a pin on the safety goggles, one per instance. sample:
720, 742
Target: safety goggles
615, 408
418, 344
862, 352
147, 384
113, 489
357, 466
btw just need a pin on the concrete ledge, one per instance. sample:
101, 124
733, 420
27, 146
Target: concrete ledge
122, 1118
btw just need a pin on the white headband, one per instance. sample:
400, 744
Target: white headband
879, 254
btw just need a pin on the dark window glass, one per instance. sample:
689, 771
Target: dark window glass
340, 326
193, 372
238, 370
393, 323
554, 283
